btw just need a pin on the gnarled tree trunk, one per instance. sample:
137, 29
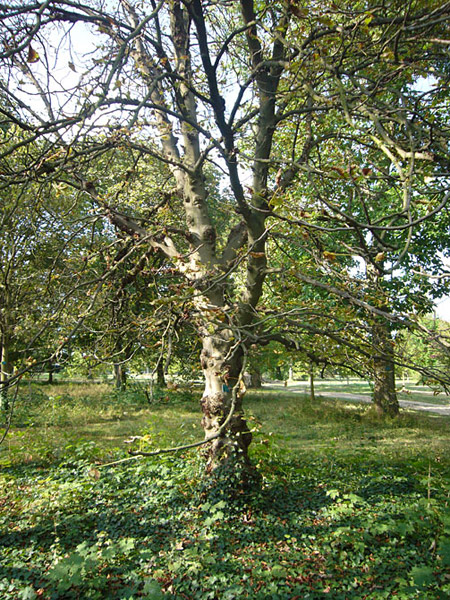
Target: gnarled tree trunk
207, 269
222, 366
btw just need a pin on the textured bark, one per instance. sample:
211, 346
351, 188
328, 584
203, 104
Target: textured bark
383, 366
384, 393
221, 368
203, 266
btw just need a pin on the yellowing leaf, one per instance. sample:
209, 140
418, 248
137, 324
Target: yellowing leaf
380, 256
33, 56
331, 256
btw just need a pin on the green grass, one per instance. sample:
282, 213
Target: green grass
351, 506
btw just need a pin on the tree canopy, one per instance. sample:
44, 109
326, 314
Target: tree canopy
257, 152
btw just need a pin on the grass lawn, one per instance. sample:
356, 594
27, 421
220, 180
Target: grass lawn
407, 391
351, 506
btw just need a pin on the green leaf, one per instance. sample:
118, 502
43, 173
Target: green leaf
152, 590
422, 576
444, 551
333, 494
27, 594
279, 572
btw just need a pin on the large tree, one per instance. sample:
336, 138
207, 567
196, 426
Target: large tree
34, 230
375, 184
263, 91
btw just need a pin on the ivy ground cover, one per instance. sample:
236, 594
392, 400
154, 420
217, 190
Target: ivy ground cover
350, 508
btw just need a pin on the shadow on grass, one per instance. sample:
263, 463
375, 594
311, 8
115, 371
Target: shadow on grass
302, 533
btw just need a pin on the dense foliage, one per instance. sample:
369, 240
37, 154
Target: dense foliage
350, 506
263, 186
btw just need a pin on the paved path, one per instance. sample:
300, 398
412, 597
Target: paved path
437, 409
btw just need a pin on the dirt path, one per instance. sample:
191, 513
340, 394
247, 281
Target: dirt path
408, 404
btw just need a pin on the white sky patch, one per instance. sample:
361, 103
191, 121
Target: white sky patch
443, 309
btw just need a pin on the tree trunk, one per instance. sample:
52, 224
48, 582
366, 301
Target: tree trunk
50, 372
160, 374
384, 393
221, 368
291, 373
205, 268
255, 378
120, 376
383, 366
4, 374
311, 383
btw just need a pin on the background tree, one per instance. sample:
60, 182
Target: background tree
34, 229
376, 176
